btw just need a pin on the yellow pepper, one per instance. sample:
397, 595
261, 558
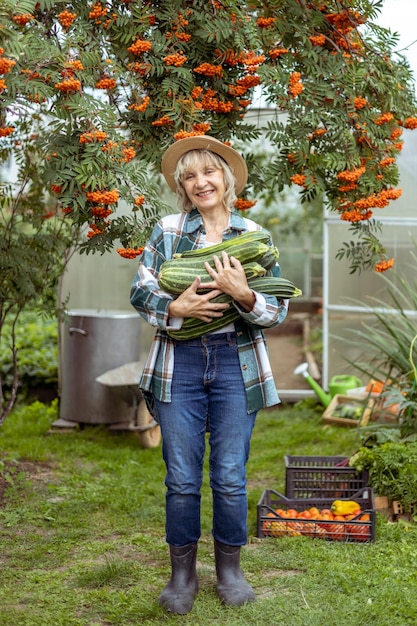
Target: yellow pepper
345, 507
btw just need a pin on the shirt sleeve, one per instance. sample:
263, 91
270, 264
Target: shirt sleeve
268, 311
146, 296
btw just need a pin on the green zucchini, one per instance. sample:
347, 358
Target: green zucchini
193, 327
252, 236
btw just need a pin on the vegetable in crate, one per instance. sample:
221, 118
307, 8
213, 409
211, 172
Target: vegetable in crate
345, 507
348, 411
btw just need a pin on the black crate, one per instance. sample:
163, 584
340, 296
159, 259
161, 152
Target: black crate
322, 476
272, 524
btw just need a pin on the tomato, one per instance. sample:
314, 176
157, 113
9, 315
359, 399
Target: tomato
273, 528
315, 513
295, 529
335, 531
305, 515
326, 518
360, 532
292, 513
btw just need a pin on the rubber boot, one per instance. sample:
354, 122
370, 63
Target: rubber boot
232, 587
178, 595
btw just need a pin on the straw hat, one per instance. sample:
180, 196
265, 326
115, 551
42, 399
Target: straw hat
204, 142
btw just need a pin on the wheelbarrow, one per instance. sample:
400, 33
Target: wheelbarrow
124, 381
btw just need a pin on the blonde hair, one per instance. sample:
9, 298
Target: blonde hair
191, 159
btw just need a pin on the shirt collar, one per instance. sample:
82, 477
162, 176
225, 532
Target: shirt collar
195, 222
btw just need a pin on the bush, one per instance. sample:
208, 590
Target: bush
37, 352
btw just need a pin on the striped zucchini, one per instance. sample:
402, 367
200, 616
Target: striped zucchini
178, 273
252, 236
174, 278
270, 285
270, 257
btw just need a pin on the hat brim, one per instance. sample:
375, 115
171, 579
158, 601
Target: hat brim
203, 142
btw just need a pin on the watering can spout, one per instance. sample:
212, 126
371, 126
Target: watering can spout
324, 397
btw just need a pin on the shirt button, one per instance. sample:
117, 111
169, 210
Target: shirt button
244, 367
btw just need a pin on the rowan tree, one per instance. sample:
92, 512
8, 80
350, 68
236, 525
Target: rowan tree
92, 93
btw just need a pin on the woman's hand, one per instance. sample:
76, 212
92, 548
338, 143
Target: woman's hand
229, 276
193, 304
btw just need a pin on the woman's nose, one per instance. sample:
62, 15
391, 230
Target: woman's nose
200, 180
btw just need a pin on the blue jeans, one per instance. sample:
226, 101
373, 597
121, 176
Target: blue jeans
208, 387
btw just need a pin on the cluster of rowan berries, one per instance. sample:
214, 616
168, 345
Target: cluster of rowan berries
97, 135
106, 83
265, 22
355, 216
23, 19
274, 53
384, 265
140, 46
71, 85
142, 106
66, 18
97, 11
103, 197
74, 65
379, 200
128, 154
208, 69
94, 230
101, 211
384, 118
176, 59
243, 205
295, 86
183, 134
387, 161
411, 123
130, 253
350, 176
317, 40
163, 121
6, 131
359, 102
6, 64
298, 179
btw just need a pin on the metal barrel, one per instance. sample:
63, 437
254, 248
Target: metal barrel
93, 342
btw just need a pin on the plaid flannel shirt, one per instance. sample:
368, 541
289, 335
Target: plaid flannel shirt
185, 231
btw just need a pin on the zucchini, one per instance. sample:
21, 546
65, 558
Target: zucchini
178, 273
174, 279
193, 327
251, 236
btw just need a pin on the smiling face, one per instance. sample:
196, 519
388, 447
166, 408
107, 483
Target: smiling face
204, 185
204, 181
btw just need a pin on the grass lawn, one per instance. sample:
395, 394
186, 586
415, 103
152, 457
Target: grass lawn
82, 534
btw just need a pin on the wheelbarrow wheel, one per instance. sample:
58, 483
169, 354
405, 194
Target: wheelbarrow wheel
150, 437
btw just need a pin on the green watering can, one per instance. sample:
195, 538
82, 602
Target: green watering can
342, 383
338, 384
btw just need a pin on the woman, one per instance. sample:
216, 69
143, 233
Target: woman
217, 382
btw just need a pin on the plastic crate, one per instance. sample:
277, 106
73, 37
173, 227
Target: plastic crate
357, 530
322, 476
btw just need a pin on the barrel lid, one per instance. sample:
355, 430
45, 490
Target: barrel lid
101, 313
